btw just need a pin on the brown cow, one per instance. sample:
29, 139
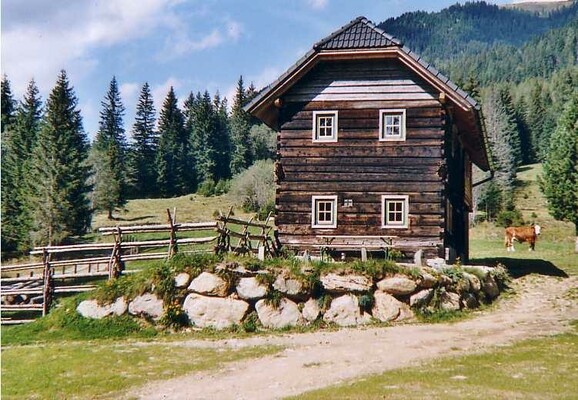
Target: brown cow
521, 234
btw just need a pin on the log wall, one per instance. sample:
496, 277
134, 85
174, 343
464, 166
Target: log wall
358, 166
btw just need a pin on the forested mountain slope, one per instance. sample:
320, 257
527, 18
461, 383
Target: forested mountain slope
470, 28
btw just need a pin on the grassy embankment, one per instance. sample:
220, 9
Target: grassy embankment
543, 368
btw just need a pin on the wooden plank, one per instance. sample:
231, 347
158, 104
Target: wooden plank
21, 307
366, 177
339, 186
379, 151
10, 292
296, 112
189, 226
16, 321
350, 97
22, 279
317, 160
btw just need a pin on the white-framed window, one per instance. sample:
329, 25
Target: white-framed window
325, 126
394, 212
324, 211
391, 125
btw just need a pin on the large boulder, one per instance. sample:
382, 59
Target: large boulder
311, 310
450, 301
147, 305
474, 281
91, 308
334, 283
290, 287
470, 301
251, 289
286, 314
398, 285
421, 299
490, 287
344, 311
214, 312
182, 280
427, 280
210, 285
387, 308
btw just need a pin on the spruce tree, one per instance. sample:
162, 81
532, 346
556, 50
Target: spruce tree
8, 104
16, 168
510, 124
172, 175
559, 181
59, 170
203, 138
499, 128
222, 139
145, 146
240, 127
10, 171
535, 119
109, 154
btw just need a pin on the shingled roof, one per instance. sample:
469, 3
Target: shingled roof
361, 35
358, 34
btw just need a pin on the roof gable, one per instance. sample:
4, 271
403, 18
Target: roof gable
358, 34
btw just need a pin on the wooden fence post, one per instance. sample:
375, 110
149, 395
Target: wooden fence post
173, 247
47, 289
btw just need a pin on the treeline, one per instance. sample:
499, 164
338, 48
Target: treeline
53, 179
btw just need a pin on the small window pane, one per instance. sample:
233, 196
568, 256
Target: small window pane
325, 126
395, 211
392, 125
324, 211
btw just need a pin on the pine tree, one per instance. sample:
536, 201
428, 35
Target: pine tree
173, 169
559, 181
11, 172
240, 127
59, 170
109, 150
203, 137
535, 119
145, 146
8, 104
24, 135
503, 156
510, 123
222, 139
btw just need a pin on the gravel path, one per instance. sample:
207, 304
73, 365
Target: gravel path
315, 360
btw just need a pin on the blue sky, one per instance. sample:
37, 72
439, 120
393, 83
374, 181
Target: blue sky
190, 44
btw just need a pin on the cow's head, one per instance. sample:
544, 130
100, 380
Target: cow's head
537, 229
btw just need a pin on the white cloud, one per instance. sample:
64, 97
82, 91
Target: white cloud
161, 90
180, 43
318, 4
129, 92
41, 38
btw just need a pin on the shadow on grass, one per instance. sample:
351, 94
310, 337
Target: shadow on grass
519, 267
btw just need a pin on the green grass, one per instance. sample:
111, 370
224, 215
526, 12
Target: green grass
104, 369
532, 369
554, 253
190, 208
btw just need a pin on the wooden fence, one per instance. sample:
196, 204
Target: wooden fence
32, 287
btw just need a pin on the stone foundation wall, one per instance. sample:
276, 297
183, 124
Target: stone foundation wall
233, 295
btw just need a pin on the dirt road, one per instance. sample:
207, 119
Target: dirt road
320, 359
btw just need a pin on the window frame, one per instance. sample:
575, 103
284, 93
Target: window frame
334, 128
382, 126
405, 211
315, 212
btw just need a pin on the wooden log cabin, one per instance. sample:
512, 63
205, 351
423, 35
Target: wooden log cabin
375, 148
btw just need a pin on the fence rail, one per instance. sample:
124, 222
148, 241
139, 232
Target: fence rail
32, 287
